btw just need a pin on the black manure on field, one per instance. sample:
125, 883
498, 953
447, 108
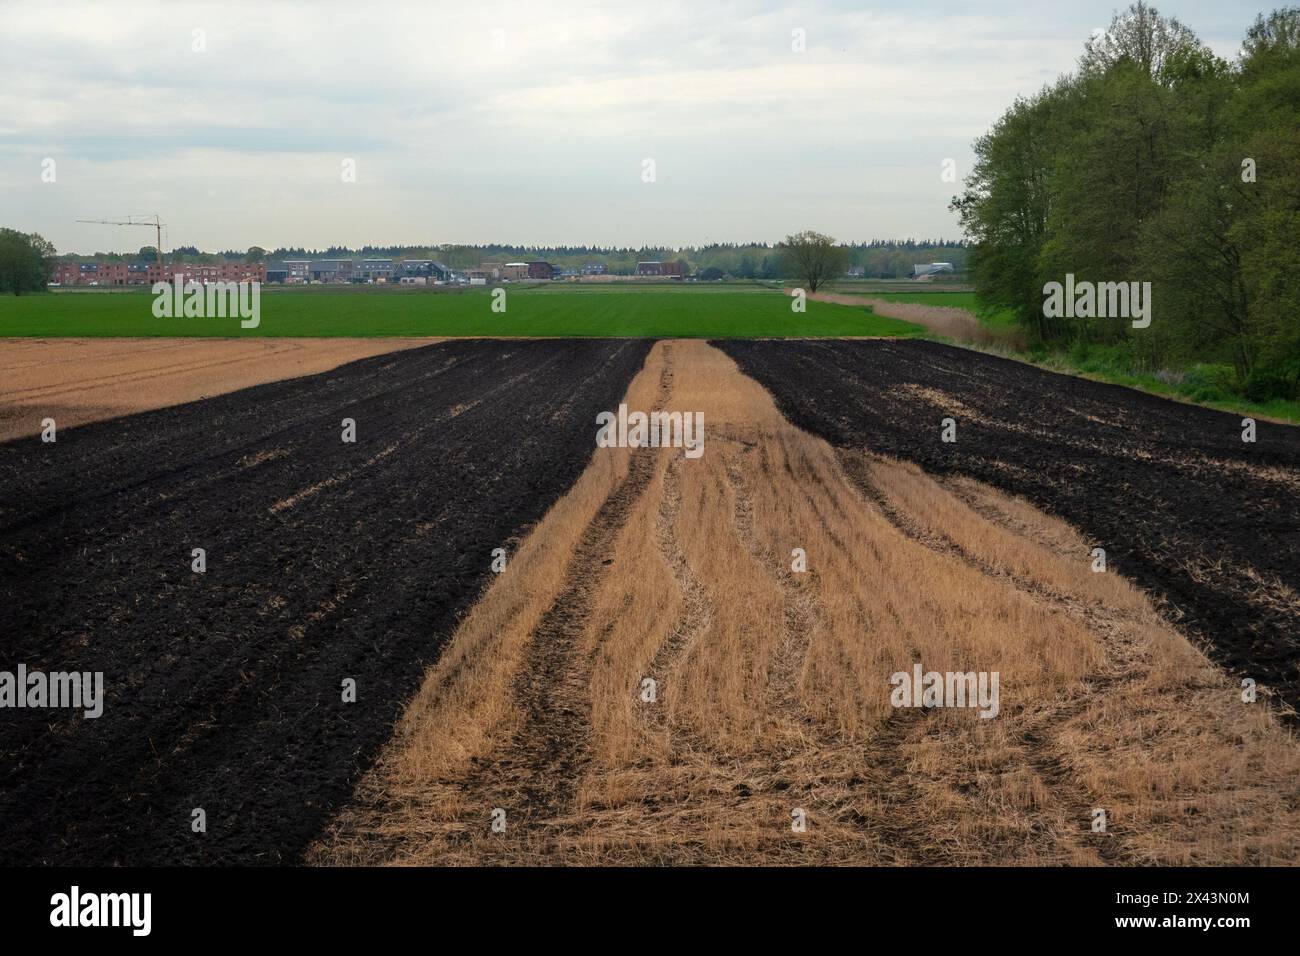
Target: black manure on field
326, 561
1207, 523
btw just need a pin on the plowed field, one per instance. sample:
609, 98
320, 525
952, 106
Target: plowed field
326, 561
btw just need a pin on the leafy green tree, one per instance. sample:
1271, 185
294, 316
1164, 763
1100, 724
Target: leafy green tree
1158, 162
1266, 231
1142, 38
1005, 205
26, 262
1190, 253
813, 258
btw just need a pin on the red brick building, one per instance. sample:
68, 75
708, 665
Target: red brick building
147, 273
674, 269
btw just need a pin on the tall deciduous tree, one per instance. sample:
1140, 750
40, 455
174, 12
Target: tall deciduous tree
813, 258
1142, 37
1007, 201
1157, 162
26, 262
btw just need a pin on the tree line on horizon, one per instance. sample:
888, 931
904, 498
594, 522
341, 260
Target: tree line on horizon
1157, 161
878, 258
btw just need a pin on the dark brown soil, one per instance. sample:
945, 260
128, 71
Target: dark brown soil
1207, 523
326, 561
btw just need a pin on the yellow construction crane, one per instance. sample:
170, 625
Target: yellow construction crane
154, 222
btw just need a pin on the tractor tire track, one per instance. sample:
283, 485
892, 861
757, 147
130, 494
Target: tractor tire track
696, 614
535, 774
1045, 756
801, 605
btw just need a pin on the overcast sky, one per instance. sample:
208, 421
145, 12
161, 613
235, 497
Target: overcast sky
527, 123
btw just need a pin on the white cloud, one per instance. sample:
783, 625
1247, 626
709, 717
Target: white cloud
536, 138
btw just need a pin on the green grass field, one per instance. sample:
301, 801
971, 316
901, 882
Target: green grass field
650, 312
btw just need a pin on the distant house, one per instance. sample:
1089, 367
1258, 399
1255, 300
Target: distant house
674, 270
375, 270
541, 270
147, 272
422, 268
331, 270
230, 271
514, 271
931, 268
66, 273
277, 272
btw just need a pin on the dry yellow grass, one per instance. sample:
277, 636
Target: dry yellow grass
952, 323
772, 686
